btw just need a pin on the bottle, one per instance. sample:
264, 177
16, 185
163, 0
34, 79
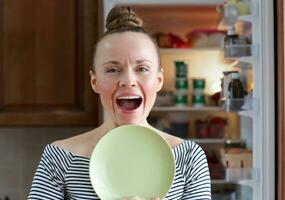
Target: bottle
225, 83
236, 90
231, 38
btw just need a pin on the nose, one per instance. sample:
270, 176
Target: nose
128, 79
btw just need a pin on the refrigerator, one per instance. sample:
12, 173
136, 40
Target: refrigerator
251, 124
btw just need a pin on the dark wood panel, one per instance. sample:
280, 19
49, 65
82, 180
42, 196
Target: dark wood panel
40, 60
1, 53
281, 101
46, 54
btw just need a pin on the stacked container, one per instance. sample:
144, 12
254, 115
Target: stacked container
181, 84
198, 97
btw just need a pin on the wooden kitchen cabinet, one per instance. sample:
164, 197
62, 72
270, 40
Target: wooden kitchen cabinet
46, 49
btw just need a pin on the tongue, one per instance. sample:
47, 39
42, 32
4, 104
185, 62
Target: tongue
128, 104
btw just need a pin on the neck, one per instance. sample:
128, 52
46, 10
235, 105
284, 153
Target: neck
108, 125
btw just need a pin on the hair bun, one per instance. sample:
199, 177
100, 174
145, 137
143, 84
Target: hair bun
122, 18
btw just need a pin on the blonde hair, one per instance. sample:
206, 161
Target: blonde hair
123, 19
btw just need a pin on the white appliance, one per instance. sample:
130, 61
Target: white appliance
257, 124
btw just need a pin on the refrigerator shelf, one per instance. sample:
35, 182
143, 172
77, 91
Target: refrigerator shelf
239, 176
220, 182
242, 53
252, 17
214, 140
242, 64
247, 59
185, 108
246, 106
233, 105
233, 51
188, 50
250, 183
247, 113
247, 18
242, 59
231, 14
242, 176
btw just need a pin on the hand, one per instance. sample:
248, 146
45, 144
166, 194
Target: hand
139, 198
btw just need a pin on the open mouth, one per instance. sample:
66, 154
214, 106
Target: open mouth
129, 102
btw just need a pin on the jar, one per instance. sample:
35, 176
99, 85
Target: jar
198, 100
181, 69
235, 89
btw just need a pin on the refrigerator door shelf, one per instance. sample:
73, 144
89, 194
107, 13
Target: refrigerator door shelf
253, 16
232, 105
247, 113
237, 50
231, 14
243, 176
241, 52
243, 64
246, 106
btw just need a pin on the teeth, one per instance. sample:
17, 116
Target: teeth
129, 97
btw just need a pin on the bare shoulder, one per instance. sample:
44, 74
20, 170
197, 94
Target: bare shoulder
68, 143
173, 141
79, 144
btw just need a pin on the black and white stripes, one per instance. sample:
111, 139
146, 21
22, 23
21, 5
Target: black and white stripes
64, 175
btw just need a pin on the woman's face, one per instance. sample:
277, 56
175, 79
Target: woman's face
127, 76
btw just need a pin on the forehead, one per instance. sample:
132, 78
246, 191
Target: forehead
128, 45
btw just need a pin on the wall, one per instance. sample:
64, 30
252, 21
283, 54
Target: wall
20, 152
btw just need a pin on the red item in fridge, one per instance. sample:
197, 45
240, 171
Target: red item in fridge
176, 41
217, 127
169, 40
216, 98
202, 129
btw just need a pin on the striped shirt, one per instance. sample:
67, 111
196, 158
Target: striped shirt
65, 175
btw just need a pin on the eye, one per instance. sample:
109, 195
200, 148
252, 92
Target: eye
112, 70
142, 68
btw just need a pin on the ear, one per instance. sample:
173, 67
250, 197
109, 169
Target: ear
159, 80
93, 81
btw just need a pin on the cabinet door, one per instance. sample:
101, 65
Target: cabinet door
46, 51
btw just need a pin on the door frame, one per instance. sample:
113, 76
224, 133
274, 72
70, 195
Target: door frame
280, 98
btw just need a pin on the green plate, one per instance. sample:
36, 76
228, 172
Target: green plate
130, 161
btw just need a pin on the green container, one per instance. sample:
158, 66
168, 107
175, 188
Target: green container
198, 83
181, 100
181, 83
198, 100
181, 69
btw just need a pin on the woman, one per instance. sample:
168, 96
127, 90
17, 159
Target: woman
127, 76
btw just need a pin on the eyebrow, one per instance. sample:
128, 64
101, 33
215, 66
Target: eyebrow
141, 61
116, 62
111, 62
